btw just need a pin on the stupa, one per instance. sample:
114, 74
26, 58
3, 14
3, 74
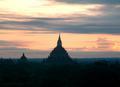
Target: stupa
59, 55
23, 57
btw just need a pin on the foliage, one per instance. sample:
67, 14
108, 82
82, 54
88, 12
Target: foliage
32, 74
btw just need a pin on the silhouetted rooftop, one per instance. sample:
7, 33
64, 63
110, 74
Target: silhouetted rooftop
23, 57
59, 54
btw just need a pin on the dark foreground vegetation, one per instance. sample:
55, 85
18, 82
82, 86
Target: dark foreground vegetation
33, 74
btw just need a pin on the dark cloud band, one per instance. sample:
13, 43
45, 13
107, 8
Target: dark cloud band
90, 1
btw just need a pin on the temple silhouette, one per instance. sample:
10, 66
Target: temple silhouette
23, 58
59, 55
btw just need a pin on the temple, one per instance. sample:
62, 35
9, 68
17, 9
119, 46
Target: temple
59, 54
23, 57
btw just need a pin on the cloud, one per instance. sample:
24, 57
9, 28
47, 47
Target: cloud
98, 45
15, 52
12, 49
89, 26
107, 22
103, 43
28, 23
11, 44
77, 49
94, 54
90, 1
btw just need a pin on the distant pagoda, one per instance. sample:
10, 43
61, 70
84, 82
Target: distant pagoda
23, 57
59, 55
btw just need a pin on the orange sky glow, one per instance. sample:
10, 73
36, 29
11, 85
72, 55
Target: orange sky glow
72, 42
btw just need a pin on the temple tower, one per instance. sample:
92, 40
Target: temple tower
59, 55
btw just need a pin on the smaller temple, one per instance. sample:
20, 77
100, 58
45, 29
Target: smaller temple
23, 57
59, 55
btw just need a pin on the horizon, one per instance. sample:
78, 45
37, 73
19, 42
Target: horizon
89, 29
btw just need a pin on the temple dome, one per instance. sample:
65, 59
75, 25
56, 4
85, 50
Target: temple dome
59, 54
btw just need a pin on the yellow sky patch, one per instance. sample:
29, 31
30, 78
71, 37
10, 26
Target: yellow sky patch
44, 8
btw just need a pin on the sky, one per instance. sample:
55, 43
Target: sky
89, 28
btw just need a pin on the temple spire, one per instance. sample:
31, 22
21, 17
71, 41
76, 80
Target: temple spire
23, 54
59, 55
59, 42
23, 57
